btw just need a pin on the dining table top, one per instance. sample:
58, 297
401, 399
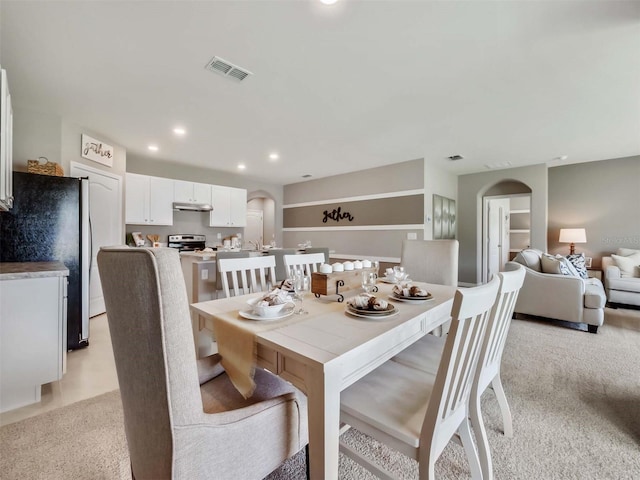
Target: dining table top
328, 331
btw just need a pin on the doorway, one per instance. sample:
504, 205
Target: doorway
261, 218
105, 218
506, 230
254, 231
496, 226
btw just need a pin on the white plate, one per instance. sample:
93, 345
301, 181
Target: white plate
392, 280
412, 299
285, 312
370, 317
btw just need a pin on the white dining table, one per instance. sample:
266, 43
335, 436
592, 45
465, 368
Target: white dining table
326, 350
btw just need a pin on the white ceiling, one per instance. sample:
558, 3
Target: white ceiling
336, 89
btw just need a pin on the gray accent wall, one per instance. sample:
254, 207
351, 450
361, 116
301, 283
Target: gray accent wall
471, 190
602, 197
383, 241
379, 243
403, 210
392, 178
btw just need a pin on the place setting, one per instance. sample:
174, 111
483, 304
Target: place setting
366, 305
275, 305
406, 292
395, 275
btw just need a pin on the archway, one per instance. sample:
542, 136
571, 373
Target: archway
260, 218
506, 224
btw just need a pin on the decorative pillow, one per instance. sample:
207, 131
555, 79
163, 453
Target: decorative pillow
625, 252
628, 264
578, 261
572, 270
551, 264
529, 257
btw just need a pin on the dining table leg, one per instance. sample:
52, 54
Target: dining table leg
323, 396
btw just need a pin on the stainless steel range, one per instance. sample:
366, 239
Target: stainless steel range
187, 242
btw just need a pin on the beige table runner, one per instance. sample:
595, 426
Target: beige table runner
236, 337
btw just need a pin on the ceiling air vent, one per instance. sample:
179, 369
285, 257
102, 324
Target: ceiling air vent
228, 69
453, 158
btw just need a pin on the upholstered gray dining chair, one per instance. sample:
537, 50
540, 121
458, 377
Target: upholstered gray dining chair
279, 253
431, 261
183, 417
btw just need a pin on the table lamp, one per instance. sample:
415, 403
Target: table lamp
573, 236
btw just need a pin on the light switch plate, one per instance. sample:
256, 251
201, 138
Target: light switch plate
412, 236
205, 274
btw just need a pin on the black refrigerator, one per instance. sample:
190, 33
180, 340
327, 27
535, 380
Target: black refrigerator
50, 221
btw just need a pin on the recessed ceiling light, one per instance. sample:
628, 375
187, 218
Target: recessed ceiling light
179, 131
455, 157
561, 158
153, 148
274, 156
241, 166
307, 175
328, 2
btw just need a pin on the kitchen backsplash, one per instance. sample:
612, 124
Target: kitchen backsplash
186, 222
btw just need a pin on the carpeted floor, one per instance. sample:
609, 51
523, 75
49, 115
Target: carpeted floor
575, 399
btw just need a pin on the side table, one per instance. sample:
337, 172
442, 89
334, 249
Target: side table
594, 273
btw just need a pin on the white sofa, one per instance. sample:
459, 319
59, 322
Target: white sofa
621, 288
556, 296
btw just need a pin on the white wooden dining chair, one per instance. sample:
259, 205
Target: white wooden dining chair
307, 262
426, 353
248, 275
418, 412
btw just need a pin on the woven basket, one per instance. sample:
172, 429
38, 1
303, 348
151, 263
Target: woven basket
47, 168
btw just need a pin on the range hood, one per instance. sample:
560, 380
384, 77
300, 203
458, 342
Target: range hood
192, 207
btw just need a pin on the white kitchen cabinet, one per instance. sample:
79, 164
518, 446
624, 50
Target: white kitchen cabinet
6, 145
191, 192
229, 207
33, 334
149, 200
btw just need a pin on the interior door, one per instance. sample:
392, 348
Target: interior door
255, 226
497, 245
105, 200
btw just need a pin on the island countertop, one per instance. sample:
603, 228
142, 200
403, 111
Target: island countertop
18, 270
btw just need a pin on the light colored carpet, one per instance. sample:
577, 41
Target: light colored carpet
575, 398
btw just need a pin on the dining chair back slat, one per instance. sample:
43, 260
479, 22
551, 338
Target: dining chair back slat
248, 275
307, 262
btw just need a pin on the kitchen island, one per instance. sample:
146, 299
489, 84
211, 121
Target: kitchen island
33, 329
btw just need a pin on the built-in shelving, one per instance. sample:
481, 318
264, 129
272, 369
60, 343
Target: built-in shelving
519, 224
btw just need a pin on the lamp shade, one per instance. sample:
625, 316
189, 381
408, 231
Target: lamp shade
573, 235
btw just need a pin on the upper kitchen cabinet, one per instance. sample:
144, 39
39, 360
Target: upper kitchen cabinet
229, 207
6, 149
191, 192
149, 200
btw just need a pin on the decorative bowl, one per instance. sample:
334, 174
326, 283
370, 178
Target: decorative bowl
266, 310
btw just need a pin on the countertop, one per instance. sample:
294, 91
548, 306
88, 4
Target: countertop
19, 270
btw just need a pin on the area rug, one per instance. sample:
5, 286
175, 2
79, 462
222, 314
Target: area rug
575, 399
